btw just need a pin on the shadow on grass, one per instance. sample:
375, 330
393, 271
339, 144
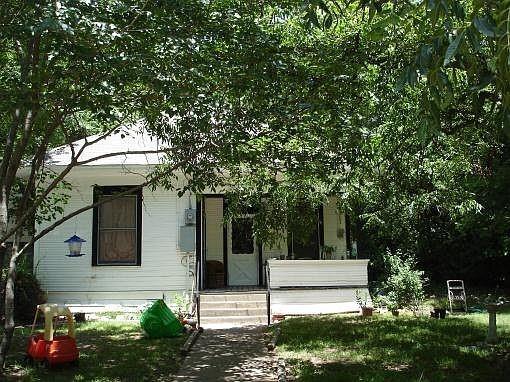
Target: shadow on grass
384, 348
109, 351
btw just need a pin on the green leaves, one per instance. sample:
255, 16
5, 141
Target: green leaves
408, 76
453, 47
404, 286
319, 13
485, 25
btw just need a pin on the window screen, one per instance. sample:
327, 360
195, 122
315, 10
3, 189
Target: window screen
242, 236
117, 233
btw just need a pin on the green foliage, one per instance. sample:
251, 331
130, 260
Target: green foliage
28, 294
182, 303
433, 157
361, 298
404, 285
54, 204
441, 303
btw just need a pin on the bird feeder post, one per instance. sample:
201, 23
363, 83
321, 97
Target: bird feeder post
492, 336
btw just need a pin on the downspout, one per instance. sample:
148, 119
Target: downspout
348, 234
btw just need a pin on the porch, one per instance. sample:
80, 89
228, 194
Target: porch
228, 255
242, 280
294, 287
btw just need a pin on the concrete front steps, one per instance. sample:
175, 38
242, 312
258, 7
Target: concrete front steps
231, 309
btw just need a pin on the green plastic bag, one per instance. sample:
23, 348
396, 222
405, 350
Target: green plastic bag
159, 321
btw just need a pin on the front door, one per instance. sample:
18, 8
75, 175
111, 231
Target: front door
242, 253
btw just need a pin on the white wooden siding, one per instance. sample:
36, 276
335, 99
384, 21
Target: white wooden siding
214, 229
334, 228
163, 268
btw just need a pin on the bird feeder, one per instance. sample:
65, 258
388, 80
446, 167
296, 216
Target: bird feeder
74, 243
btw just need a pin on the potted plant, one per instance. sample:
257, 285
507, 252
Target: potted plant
440, 308
362, 301
391, 303
393, 307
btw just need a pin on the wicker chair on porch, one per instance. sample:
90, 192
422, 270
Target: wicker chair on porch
215, 274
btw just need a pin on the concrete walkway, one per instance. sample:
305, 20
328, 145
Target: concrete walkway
235, 354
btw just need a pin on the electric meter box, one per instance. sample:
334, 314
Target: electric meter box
190, 216
187, 238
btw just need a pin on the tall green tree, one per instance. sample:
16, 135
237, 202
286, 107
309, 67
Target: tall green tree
72, 68
400, 119
54, 58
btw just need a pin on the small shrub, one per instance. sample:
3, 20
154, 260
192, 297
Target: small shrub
404, 286
441, 303
379, 301
361, 298
27, 294
182, 304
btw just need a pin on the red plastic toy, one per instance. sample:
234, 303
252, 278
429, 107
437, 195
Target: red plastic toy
53, 350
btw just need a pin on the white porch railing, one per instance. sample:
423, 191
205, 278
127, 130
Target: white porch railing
299, 287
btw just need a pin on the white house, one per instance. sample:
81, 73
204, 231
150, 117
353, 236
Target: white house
153, 244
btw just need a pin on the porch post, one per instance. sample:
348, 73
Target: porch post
225, 243
198, 246
321, 229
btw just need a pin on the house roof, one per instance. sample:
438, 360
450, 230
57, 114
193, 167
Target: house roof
124, 139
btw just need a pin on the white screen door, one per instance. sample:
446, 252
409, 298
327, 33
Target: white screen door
242, 253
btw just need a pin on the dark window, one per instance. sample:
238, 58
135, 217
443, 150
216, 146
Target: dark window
242, 236
117, 230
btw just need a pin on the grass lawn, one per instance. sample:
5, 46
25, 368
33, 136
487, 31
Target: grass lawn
109, 351
387, 348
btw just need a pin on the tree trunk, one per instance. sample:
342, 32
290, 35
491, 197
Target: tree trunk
3, 250
4, 217
9, 304
3, 246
